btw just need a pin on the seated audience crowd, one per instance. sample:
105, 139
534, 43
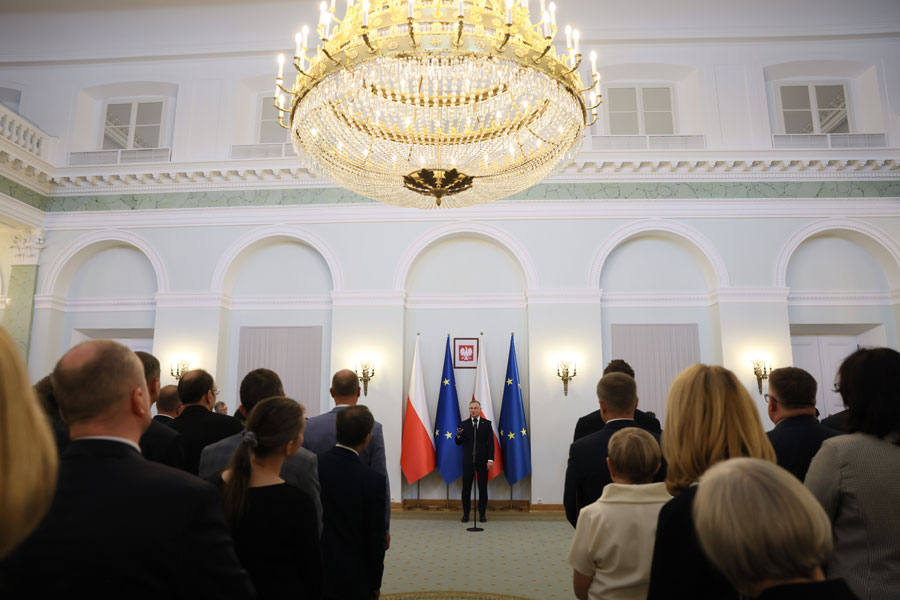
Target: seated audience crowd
97, 497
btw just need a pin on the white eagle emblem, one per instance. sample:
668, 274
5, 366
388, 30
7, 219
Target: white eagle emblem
466, 352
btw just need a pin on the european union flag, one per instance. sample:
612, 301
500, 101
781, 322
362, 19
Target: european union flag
513, 432
449, 455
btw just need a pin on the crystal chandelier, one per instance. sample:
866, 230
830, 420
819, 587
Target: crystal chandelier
429, 103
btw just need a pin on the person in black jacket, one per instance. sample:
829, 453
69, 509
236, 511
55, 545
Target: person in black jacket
159, 443
593, 422
477, 439
792, 407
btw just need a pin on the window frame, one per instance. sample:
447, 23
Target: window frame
814, 103
638, 87
264, 101
135, 101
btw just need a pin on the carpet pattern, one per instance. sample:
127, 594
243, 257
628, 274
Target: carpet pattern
516, 557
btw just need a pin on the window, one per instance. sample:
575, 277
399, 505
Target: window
133, 124
10, 98
814, 108
640, 110
270, 132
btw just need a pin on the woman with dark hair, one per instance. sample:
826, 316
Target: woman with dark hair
273, 523
856, 477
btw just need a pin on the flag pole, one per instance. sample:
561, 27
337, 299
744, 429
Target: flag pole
447, 506
510, 506
418, 505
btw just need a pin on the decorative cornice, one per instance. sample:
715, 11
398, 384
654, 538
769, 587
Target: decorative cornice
564, 296
19, 213
843, 298
368, 298
655, 299
320, 302
190, 300
467, 301
739, 295
80, 305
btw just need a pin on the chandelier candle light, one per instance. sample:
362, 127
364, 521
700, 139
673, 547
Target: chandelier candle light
429, 103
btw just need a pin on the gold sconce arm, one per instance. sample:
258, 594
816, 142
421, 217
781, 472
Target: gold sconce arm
506, 37
299, 68
594, 107
592, 86
365, 39
366, 373
459, 33
761, 370
567, 373
577, 64
412, 34
544, 53
594, 120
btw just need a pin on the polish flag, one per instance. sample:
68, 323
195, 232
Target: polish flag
417, 453
482, 394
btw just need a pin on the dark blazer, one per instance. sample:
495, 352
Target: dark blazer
353, 532
587, 473
163, 445
593, 422
680, 569
122, 526
796, 440
200, 427
478, 446
299, 470
838, 421
164, 419
833, 589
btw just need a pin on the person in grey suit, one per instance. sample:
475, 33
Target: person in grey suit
856, 477
300, 470
320, 436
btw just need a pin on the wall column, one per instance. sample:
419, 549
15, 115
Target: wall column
19, 313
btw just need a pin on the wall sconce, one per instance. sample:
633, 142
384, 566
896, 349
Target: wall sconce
178, 368
365, 370
761, 369
566, 370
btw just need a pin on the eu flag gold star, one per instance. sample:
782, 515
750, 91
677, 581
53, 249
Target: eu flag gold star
509, 382
448, 435
446, 382
523, 432
437, 432
512, 435
501, 433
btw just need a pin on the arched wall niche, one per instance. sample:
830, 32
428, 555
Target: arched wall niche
116, 271
278, 266
73, 257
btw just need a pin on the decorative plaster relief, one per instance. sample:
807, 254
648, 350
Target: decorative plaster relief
27, 247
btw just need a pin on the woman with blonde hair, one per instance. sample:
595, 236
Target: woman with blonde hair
28, 456
710, 417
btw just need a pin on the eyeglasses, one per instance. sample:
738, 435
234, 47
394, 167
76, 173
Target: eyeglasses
215, 392
769, 397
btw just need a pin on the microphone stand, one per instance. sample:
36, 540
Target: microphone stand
475, 527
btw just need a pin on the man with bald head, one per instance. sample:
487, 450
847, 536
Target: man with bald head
321, 435
168, 405
117, 519
198, 425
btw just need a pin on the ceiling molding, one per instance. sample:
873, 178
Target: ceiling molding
16, 214
843, 298
465, 301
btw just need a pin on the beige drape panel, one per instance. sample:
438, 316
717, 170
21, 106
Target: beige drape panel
295, 353
657, 353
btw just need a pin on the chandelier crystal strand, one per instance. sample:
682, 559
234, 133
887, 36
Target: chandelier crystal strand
436, 103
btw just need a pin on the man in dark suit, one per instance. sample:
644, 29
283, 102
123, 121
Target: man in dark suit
300, 469
320, 436
117, 519
477, 439
159, 443
352, 499
594, 422
838, 421
197, 424
798, 435
587, 472
168, 405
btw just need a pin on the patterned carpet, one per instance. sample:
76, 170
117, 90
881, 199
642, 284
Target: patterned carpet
516, 557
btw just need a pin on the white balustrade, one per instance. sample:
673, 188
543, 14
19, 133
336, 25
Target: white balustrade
23, 133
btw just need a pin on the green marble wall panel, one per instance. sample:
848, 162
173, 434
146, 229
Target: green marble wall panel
546, 191
17, 316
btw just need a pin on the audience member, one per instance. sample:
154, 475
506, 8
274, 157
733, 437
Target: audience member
587, 473
168, 405
299, 469
43, 389
352, 498
838, 421
710, 417
273, 522
119, 523
778, 555
221, 408
594, 422
28, 454
159, 443
613, 542
856, 477
197, 424
792, 407
321, 437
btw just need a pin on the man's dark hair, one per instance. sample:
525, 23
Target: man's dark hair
793, 387
43, 389
618, 392
259, 384
617, 365
151, 365
168, 399
107, 376
353, 424
869, 382
193, 385
344, 383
